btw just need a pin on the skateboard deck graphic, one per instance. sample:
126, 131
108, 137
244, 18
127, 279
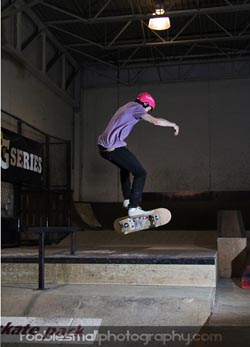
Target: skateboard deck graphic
127, 225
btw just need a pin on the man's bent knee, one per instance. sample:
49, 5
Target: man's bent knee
140, 173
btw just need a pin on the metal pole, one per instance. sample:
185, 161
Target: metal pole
47, 174
44, 55
41, 260
63, 80
68, 183
73, 243
18, 192
18, 31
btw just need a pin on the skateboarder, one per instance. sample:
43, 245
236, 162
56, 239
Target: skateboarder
112, 147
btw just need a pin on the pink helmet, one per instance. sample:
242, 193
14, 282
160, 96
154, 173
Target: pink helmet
147, 98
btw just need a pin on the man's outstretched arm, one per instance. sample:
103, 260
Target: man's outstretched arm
161, 122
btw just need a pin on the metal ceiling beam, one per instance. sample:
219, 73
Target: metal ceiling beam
143, 31
18, 20
106, 75
187, 41
164, 66
173, 3
53, 60
119, 34
220, 49
44, 52
92, 57
228, 2
182, 59
102, 9
177, 39
71, 78
170, 42
183, 28
6, 5
159, 52
39, 68
78, 6
187, 52
219, 25
42, 27
130, 56
23, 6
131, 4
89, 42
11, 12
30, 39
63, 72
138, 17
39, 74
154, 32
190, 59
77, 37
245, 29
68, 13
138, 75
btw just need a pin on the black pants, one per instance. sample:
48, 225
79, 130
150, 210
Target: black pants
128, 163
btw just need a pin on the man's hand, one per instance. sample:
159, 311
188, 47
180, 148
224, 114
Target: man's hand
176, 128
161, 122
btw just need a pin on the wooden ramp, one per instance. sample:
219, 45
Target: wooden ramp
86, 214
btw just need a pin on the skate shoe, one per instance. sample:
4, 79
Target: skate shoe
126, 203
138, 211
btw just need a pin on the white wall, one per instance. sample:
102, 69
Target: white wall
25, 96
212, 151
30, 99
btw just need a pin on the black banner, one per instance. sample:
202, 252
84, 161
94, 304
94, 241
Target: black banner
21, 159
31, 333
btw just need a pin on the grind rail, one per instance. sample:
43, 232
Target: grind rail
41, 254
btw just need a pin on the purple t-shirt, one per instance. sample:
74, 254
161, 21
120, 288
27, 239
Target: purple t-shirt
121, 125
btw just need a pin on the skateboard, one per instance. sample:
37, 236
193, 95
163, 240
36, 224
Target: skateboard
127, 225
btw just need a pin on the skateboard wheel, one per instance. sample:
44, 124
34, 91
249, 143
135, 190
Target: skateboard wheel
155, 217
126, 225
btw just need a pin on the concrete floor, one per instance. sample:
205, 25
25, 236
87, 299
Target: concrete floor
187, 308
230, 316
232, 304
115, 305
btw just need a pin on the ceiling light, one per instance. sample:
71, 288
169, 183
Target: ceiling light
159, 22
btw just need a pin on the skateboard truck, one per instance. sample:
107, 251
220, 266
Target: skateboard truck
154, 219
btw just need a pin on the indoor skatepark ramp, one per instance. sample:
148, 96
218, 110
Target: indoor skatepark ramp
85, 212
